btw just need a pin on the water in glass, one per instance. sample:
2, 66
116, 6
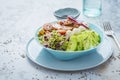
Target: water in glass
92, 8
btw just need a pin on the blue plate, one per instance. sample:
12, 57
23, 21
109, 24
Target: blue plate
43, 58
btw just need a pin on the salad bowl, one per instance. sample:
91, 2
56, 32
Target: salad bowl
69, 55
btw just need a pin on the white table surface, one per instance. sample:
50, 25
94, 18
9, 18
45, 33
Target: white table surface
19, 20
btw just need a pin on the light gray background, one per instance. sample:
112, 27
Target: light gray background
19, 20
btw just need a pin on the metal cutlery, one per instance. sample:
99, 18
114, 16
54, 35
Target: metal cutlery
108, 31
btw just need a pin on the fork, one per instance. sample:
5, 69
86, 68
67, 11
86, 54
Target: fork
108, 31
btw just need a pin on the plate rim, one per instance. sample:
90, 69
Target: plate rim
44, 66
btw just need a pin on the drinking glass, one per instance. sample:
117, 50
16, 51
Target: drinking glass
92, 8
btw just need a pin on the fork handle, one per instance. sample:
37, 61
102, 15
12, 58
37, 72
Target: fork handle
116, 40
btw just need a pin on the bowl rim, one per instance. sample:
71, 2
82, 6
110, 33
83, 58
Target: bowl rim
102, 39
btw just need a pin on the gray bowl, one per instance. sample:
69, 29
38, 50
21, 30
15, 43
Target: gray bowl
65, 12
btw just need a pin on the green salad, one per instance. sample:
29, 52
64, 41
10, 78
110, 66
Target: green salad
85, 40
69, 36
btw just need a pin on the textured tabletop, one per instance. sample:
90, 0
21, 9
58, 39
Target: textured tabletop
19, 19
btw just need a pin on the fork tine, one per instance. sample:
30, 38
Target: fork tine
110, 28
105, 26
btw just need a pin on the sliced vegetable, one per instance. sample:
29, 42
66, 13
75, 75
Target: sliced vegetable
72, 44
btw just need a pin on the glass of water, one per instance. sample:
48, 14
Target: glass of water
92, 8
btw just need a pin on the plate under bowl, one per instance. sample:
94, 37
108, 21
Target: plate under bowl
43, 58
